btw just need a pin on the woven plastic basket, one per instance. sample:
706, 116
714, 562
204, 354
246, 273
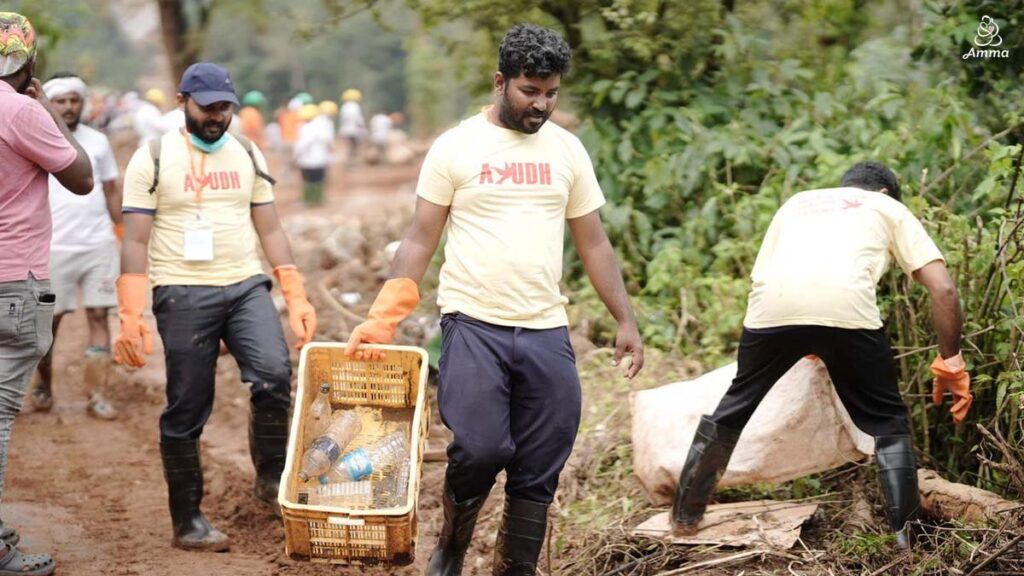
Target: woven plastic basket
346, 535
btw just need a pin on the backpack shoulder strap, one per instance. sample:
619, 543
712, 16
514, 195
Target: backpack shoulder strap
154, 152
247, 144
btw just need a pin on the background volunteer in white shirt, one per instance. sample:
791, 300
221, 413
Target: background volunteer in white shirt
313, 149
351, 124
83, 250
814, 294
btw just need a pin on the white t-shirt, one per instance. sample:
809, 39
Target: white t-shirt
81, 223
352, 123
313, 146
380, 127
509, 195
148, 122
824, 253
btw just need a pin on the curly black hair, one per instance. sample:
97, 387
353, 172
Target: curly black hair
872, 176
532, 50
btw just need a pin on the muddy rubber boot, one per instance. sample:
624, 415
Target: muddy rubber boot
524, 525
192, 531
456, 534
705, 463
97, 368
897, 473
268, 446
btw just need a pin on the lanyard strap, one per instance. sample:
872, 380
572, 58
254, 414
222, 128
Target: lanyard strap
198, 179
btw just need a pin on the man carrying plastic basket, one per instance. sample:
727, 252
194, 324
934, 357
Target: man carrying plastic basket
197, 203
504, 183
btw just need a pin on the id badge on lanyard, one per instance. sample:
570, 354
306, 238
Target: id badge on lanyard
198, 241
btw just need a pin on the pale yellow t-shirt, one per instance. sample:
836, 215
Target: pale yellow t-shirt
510, 194
232, 190
824, 253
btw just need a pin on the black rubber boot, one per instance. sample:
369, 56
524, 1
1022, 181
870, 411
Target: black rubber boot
524, 526
184, 474
705, 463
897, 473
453, 542
268, 445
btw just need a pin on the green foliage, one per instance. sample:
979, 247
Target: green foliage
704, 117
77, 37
866, 545
311, 48
696, 166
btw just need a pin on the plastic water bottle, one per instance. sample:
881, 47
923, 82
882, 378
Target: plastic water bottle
319, 416
352, 494
361, 462
393, 491
326, 449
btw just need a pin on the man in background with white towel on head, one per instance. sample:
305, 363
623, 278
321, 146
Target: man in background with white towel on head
83, 250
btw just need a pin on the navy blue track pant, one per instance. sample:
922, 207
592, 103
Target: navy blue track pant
512, 397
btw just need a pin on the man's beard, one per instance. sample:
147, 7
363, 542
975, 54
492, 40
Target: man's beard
198, 130
517, 119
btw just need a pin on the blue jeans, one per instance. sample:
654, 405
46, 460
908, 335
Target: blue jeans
26, 333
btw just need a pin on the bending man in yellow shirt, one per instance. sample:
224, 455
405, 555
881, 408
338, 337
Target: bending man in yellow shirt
814, 294
199, 214
503, 184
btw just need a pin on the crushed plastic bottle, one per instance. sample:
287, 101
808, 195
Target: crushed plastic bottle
349, 494
345, 425
319, 415
361, 462
393, 490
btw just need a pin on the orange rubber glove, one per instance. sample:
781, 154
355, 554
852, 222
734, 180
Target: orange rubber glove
951, 376
301, 315
396, 300
135, 339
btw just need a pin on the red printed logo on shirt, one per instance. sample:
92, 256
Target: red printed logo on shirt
516, 173
850, 204
215, 181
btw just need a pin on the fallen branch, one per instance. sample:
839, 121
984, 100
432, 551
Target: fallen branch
947, 500
1011, 465
715, 562
996, 554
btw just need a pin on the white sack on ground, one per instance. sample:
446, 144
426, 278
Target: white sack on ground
800, 428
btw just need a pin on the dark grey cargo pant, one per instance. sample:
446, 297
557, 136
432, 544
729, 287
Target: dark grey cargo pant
192, 321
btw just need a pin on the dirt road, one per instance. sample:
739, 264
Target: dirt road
92, 493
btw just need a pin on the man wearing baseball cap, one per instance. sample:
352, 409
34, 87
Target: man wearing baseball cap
34, 142
197, 202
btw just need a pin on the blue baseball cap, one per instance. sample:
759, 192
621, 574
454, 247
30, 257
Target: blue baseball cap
207, 83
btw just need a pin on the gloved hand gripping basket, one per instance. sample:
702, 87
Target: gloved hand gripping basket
374, 521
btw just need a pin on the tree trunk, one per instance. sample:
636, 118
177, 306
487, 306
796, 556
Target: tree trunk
182, 42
